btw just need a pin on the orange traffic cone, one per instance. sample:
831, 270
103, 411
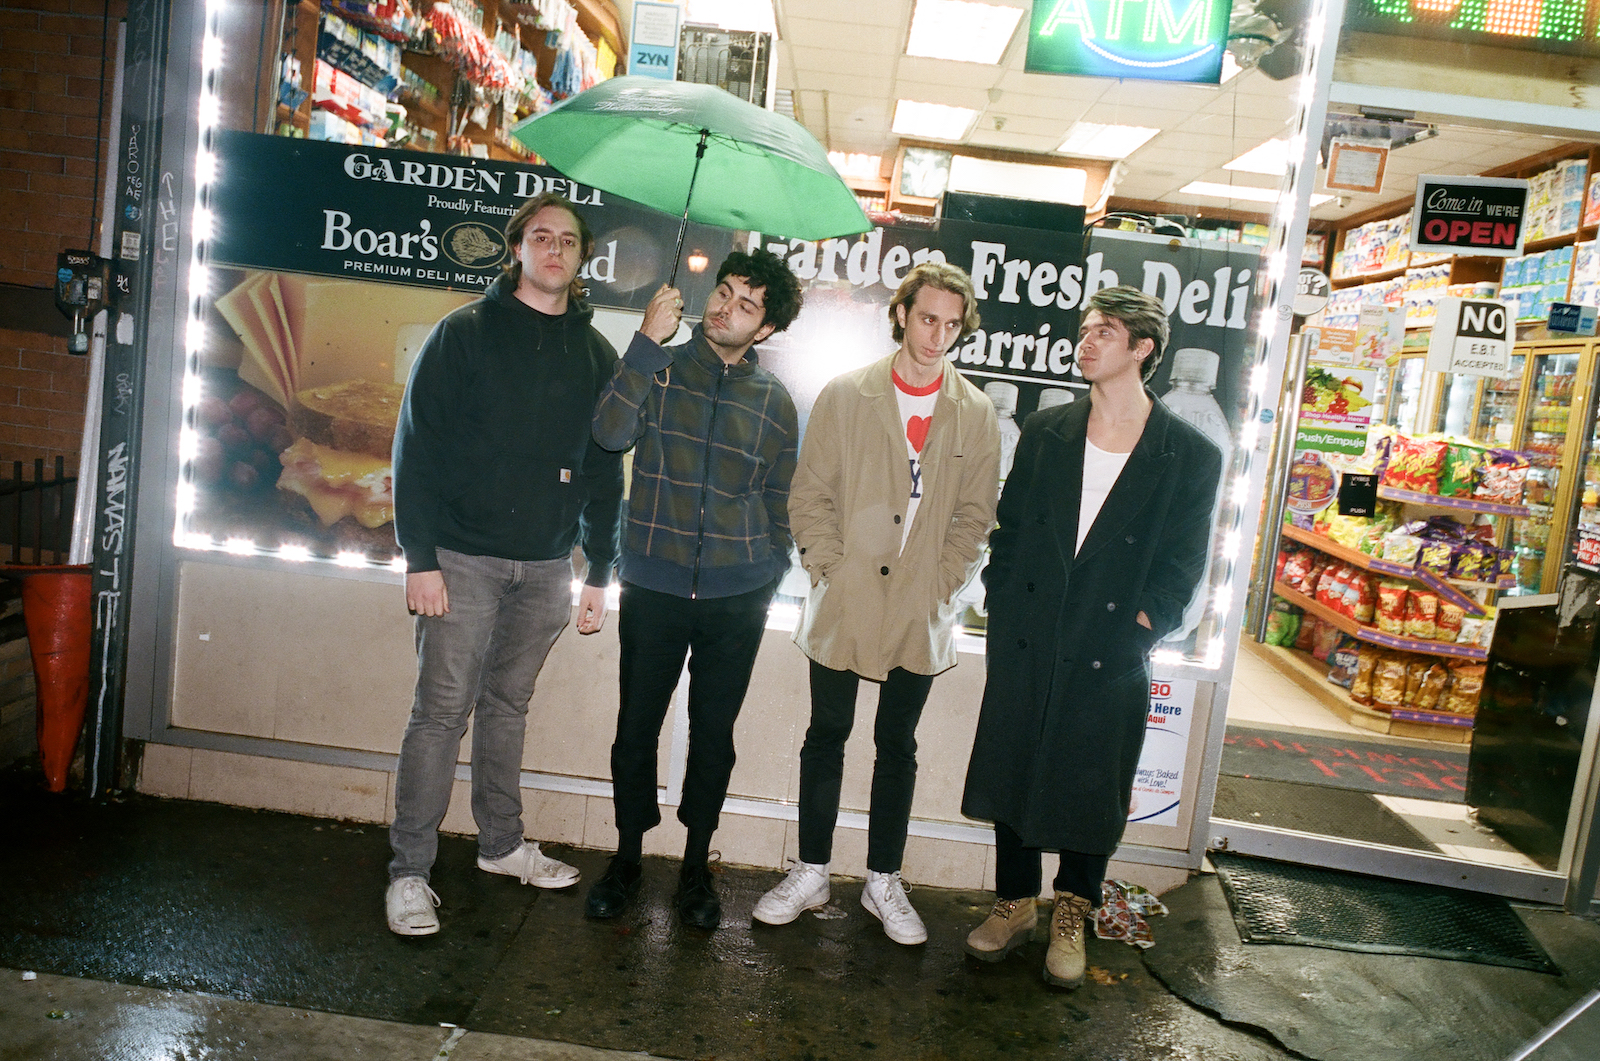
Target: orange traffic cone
55, 609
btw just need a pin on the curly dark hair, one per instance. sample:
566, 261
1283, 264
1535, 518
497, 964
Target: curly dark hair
763, 269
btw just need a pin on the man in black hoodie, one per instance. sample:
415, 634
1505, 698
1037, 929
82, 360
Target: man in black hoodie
495, 479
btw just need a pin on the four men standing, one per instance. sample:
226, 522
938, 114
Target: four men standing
1103, 530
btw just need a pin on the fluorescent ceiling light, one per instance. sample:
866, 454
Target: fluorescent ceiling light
957, 29
933, 121
1019, 180
1270, 158
1240, 192
1088, 140
856, 165
733, 14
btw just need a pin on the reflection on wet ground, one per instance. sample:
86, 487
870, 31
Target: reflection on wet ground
256, 934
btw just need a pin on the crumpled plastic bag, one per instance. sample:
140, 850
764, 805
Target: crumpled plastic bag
1122, 913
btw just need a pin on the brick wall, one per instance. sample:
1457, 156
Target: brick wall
51, 124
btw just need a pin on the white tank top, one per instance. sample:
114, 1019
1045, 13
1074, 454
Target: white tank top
1100, 471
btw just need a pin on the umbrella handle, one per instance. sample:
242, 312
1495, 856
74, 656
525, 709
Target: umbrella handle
683, 225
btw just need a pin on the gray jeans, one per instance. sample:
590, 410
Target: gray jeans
482, 657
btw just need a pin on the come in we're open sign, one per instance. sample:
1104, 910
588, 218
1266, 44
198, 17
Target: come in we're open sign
1469, 215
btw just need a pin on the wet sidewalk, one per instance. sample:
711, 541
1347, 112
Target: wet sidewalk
248, 934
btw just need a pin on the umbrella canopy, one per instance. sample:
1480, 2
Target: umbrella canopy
637, 137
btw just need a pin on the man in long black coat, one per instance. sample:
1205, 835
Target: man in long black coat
1104, 526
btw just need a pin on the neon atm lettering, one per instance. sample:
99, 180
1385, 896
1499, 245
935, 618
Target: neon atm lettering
1158, 16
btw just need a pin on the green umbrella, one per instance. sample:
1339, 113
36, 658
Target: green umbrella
699, 151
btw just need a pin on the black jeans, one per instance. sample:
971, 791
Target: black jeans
894, 773
1019, 871
720, 636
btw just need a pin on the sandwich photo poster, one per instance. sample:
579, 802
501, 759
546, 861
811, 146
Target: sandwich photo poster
329, 265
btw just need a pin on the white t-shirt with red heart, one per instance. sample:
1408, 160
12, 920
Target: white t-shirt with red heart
916, 414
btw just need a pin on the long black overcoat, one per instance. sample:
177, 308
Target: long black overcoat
1068, 689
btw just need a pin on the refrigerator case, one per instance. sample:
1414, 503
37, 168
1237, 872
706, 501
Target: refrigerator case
1556, 397
1494, 421
1405, 393
1456, 397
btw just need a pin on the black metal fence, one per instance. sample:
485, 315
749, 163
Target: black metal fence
36, 511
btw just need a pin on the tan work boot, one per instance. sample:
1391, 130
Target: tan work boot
1008, 926
1064, 961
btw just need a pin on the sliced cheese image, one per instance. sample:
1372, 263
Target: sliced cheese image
260, 366
352, 328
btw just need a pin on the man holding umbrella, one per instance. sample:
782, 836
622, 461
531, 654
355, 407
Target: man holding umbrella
706, 540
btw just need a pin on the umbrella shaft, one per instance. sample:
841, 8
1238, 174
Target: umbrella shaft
683, 226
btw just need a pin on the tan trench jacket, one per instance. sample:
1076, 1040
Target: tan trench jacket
873, 607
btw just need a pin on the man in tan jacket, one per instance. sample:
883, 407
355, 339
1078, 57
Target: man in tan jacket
892, 500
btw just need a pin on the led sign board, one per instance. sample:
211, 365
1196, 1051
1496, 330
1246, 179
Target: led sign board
1567, 26
1147, 40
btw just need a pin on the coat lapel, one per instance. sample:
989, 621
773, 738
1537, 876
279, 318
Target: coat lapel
1138, 480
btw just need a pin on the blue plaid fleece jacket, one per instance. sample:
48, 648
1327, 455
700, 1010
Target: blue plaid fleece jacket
714, 449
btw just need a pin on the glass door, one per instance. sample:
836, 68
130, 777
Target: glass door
1546, 418
1495, 420
1457, 396
1405, 397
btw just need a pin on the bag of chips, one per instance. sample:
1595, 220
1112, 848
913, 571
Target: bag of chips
1304, 637
1400, 547
1361, 684
1295, 569
1501, 477
1414, 464
1343, 660
1283, 622
1389, 681
1447, 624
1366, 598
1416, 668
1461, 461
1326, 638
1436, 555
1466, 685
1433, 686
1422, 611
1391, 611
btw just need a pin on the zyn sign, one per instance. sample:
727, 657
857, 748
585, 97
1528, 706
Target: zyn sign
1151, 40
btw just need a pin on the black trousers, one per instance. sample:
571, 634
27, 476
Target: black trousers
1019, 871
720, 637
894, 772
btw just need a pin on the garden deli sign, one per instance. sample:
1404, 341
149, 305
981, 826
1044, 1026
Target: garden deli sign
1469, 215
1148, 40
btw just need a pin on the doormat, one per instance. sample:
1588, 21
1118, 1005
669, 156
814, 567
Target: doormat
1279, 902
1344, 813
1385, 768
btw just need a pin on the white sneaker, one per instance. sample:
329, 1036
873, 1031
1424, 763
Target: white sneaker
884, 898
531, 866
805, 888
409, 903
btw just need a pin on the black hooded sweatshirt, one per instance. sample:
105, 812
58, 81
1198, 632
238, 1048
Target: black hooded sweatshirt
493, 454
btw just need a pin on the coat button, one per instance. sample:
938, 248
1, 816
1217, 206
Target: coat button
883, 570
1111, 606
1131, 539
1022, 642
1040, 521
802, 550
897, 519
1095, 665
1030, 587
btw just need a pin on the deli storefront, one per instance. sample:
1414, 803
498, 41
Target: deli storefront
256, 630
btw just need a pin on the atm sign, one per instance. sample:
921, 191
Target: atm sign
1149, 40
